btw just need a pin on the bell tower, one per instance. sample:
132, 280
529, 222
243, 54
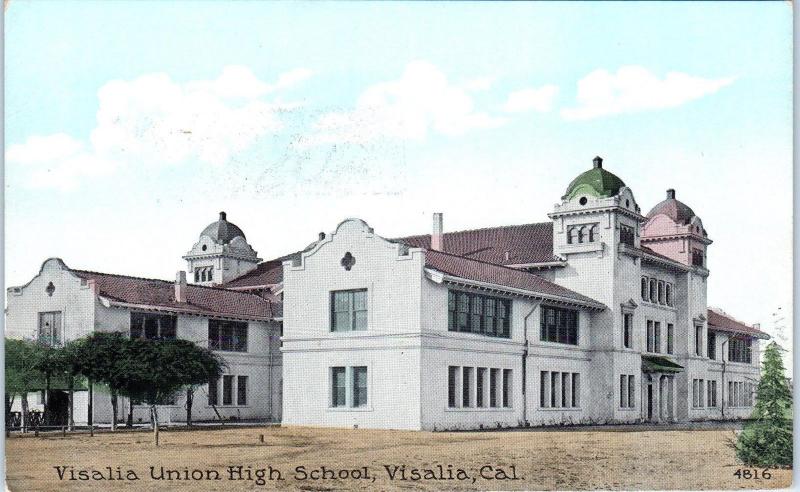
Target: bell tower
221, 254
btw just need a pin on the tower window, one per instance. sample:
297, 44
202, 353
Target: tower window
583, 200
697, 257
626, 235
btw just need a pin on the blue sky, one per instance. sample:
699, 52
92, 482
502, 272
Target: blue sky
130, 125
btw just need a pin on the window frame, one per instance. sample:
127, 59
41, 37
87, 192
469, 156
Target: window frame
55, 336
159, 317
232, 341
553, 320
467, 309
352, 312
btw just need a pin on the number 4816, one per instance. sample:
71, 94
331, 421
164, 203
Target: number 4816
748, 474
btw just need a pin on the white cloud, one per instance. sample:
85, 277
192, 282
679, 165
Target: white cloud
421, 101
634, 88
154, 120
540, 100
478, 84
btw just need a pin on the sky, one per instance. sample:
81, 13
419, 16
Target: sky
130, 125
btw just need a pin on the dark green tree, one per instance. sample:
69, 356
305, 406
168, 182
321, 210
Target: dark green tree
73, 365
104, 359
157, 369
21, 376
48, 360
768, 440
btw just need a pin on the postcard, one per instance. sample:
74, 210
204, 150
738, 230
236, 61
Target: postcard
398, 245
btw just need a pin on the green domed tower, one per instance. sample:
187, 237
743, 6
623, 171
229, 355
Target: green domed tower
596, 182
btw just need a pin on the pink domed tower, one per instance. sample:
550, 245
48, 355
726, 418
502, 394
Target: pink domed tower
675, 231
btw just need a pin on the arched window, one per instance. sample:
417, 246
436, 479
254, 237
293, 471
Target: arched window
661, 292
196, 274
592, 232
653, 293
581, 233
570, 235
669, 294
645, 297
210, 274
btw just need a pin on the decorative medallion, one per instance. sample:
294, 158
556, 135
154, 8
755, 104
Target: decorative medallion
50, 289
348, 261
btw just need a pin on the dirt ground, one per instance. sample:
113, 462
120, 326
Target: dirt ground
541, 460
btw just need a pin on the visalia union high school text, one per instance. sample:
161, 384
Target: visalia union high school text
597, 315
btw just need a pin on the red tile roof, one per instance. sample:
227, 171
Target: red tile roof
210, 301
526, 243
479, 271
724, 322
266, 273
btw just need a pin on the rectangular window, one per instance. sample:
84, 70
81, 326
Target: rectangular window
712, 345
730, 393
226, 335
475, 313
227, 390
668, 294
213, 395
650, 336
50, 329
627, 326
555, 379
452, 385
559, 325
697, 257
740, 350
698, 340
670, 338
565, 380
712, 394
507, 388
480, 387
645, 289
359, 386
544, 383
631, 392
576, 390
338, 387
701, 394
657, 336
494, 375
153, 326
241, 391
466, 387
623, 391
349, 310
626, 235
695, 389
661, 293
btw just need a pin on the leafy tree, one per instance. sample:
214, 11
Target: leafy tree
48, 361
103, 359
21, 374
157, 369
768, 440
73, 365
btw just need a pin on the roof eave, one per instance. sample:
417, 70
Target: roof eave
189, 312
441, 277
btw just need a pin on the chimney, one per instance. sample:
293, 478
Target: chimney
437, 238
181, 286
670, 194
321, 236
757, 326
223, 216
598, 162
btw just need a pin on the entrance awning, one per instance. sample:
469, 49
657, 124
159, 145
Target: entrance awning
654, 363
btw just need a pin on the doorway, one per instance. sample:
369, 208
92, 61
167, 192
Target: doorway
650, 402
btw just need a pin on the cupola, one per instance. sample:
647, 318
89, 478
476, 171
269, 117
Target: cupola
596, 182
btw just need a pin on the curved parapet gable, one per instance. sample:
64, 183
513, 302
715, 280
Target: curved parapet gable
352, 228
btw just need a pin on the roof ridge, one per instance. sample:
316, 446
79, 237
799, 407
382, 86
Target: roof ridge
221, 289
724, 314
478, 229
